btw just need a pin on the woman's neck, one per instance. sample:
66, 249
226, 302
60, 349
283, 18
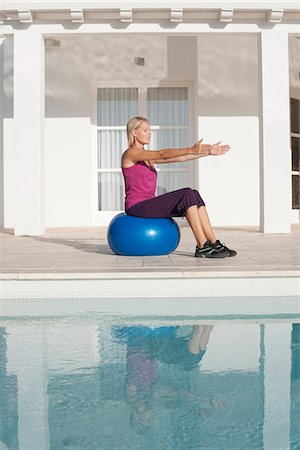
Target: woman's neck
139, 145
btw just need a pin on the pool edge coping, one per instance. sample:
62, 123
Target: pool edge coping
136, 275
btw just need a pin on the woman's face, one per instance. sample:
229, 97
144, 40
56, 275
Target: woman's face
143, 133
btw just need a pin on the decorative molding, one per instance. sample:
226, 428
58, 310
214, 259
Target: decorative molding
25, 16
77, 15
206, 11
176, 15
275, 15
126, 15
226, 15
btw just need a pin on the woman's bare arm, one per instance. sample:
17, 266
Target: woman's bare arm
215, 150
133, 154
178, 159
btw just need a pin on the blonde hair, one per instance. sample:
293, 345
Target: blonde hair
133, 124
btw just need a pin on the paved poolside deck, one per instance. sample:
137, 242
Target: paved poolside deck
83, 255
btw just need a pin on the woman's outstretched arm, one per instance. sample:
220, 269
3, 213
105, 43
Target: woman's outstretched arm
134, 154
215, 150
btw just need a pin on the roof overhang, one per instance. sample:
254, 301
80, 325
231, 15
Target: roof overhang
38, 11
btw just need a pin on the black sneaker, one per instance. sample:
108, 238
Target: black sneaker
209, 251
222, 247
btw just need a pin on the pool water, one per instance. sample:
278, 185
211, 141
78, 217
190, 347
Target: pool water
113, 383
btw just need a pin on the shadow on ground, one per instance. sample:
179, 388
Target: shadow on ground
102, 249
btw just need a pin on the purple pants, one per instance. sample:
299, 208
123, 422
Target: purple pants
171, 204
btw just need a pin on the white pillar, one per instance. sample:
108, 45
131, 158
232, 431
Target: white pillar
277, 371
276, 201
29, 94
1, 137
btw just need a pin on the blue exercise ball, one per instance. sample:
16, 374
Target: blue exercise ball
138, 236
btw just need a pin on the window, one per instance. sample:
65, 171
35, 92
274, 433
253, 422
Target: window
295, 147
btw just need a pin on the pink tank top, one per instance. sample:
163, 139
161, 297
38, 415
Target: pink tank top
140, 183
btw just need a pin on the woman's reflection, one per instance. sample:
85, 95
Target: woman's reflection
147, 349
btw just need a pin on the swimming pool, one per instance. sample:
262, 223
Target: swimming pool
85, 380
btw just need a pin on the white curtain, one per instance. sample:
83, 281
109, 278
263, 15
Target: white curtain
110, 191
115, 106
168, 106
111, 145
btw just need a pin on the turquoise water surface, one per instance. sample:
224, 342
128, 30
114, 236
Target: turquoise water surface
113, 383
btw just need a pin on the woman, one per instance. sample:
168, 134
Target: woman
140, 186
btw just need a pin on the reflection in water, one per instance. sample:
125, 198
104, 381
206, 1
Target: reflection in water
107, 385
147, 350
295, 388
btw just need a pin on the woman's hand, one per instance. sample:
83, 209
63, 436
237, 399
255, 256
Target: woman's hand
201, 149
217, 149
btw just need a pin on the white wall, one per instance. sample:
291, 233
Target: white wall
68, 172
67, 138
228, 111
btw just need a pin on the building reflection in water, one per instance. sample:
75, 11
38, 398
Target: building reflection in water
87, 384
295, 388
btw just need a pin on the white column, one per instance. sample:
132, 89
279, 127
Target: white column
277, 371
29, 94
1, 136
276, 202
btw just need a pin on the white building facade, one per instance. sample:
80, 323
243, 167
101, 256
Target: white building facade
73, 72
